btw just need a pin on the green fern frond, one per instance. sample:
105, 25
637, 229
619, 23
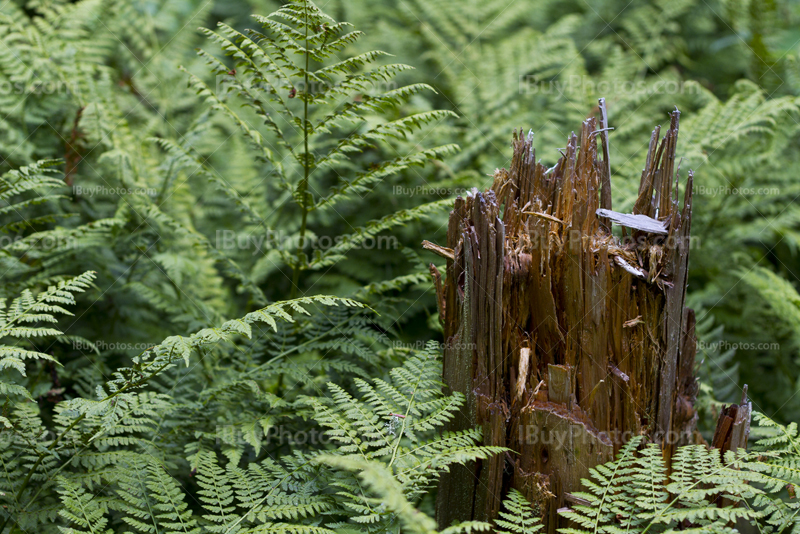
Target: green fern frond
30, 309
518, 516
82, 510
636, 493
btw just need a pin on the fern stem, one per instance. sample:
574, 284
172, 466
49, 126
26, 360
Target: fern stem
608, 488
403, 425
304, 184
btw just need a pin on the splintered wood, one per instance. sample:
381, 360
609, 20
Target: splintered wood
566, 339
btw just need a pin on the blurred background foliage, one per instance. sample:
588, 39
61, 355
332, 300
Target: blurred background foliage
98, 84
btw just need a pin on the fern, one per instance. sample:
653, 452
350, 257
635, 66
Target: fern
389, 424
113, 463
22, 191
122, 413
704, 490
315, 489
19, 319
82, 510
779, 465
636, 493
518, 516
304, 103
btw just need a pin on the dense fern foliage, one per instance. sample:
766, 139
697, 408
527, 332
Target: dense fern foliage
166, 186
704, 490
117, 458
214, 308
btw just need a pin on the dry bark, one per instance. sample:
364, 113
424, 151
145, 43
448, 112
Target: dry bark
565, 339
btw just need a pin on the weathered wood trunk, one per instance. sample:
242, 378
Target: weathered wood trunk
565, 339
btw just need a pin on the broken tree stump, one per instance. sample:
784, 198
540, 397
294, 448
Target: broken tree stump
566, 340
733, 426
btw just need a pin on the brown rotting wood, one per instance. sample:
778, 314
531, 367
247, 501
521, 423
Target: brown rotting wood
566, 339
